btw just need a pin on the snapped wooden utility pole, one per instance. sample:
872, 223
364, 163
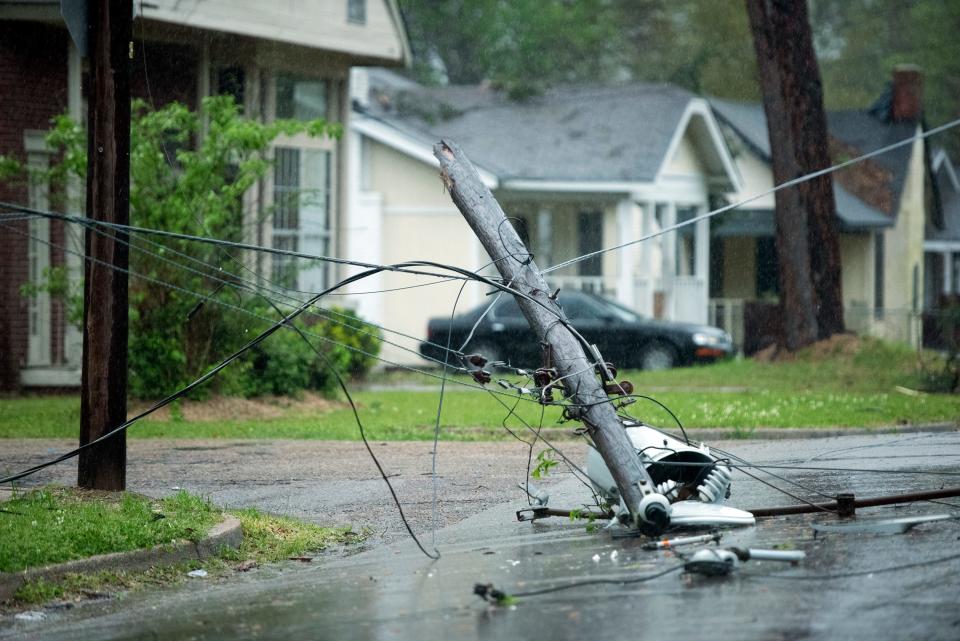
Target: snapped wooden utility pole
547, 319
103, 395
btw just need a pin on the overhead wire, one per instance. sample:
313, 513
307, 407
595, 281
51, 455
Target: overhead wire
371, 268
256, 288
219, 241
363, 436
260, 317
767, 192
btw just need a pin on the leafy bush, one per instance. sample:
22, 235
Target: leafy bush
197, 188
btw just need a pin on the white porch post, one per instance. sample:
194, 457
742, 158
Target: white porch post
702, 262
647, 277
669, 269
544, 248
947, 273
627, 224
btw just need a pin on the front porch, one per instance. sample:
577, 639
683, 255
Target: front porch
662, 276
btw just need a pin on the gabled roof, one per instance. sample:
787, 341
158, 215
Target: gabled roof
582, 134
859, 130
948, 184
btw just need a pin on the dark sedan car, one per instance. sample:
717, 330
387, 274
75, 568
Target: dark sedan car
624, 338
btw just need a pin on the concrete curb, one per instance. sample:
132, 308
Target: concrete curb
780, 433
773, 433
227, 533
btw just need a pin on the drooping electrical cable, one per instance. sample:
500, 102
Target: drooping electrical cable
363, 436
784, 185
80, 220
325, 339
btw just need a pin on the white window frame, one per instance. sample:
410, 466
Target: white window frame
38, 252
308, 240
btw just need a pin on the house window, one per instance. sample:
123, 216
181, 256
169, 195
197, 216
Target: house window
768, 268
357, 11
590, 239
300, 98
286, 214
955, 279
522, 227
231, 82
878, 259
301, 216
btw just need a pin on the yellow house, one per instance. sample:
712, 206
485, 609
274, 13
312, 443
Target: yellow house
882, 206
577, 169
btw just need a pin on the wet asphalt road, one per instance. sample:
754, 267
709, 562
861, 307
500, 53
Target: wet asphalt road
842, 591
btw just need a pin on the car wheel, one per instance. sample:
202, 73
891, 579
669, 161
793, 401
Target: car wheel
657, 356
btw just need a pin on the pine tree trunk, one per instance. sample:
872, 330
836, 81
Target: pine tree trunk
807, 231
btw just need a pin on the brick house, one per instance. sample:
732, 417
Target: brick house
288, 59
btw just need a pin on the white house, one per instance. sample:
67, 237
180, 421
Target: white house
578, 169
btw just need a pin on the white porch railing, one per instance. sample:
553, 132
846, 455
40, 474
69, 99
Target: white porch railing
689, 299
592, 284
897, 325
727, 314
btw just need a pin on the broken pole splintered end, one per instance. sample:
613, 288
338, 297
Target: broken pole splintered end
444, 149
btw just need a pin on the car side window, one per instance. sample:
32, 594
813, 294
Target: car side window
581, 309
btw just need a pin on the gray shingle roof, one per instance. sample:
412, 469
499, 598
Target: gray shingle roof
857, 129
590, 133
950, 203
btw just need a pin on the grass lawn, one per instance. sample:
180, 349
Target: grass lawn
56, 524
846, 383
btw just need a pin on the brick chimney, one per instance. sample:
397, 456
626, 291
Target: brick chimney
907, 93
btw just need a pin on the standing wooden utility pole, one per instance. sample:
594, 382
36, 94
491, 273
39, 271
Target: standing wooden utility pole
648, 510
103, 396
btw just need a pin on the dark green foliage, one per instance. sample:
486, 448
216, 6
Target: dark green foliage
704, 46
197, 188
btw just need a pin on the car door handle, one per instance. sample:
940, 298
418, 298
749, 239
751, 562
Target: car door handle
497, 327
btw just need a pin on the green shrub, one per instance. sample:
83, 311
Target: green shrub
200, 192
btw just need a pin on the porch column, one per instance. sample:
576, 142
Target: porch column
544, 250
669, 269
701, 262
947, 273
645, 278
627, 226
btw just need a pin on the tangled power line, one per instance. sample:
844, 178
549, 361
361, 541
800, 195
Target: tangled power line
290, 304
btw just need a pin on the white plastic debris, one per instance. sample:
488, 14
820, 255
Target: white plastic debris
197, 574
596, 558
31, 615
614, 555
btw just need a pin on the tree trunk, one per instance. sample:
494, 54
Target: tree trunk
807, 230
